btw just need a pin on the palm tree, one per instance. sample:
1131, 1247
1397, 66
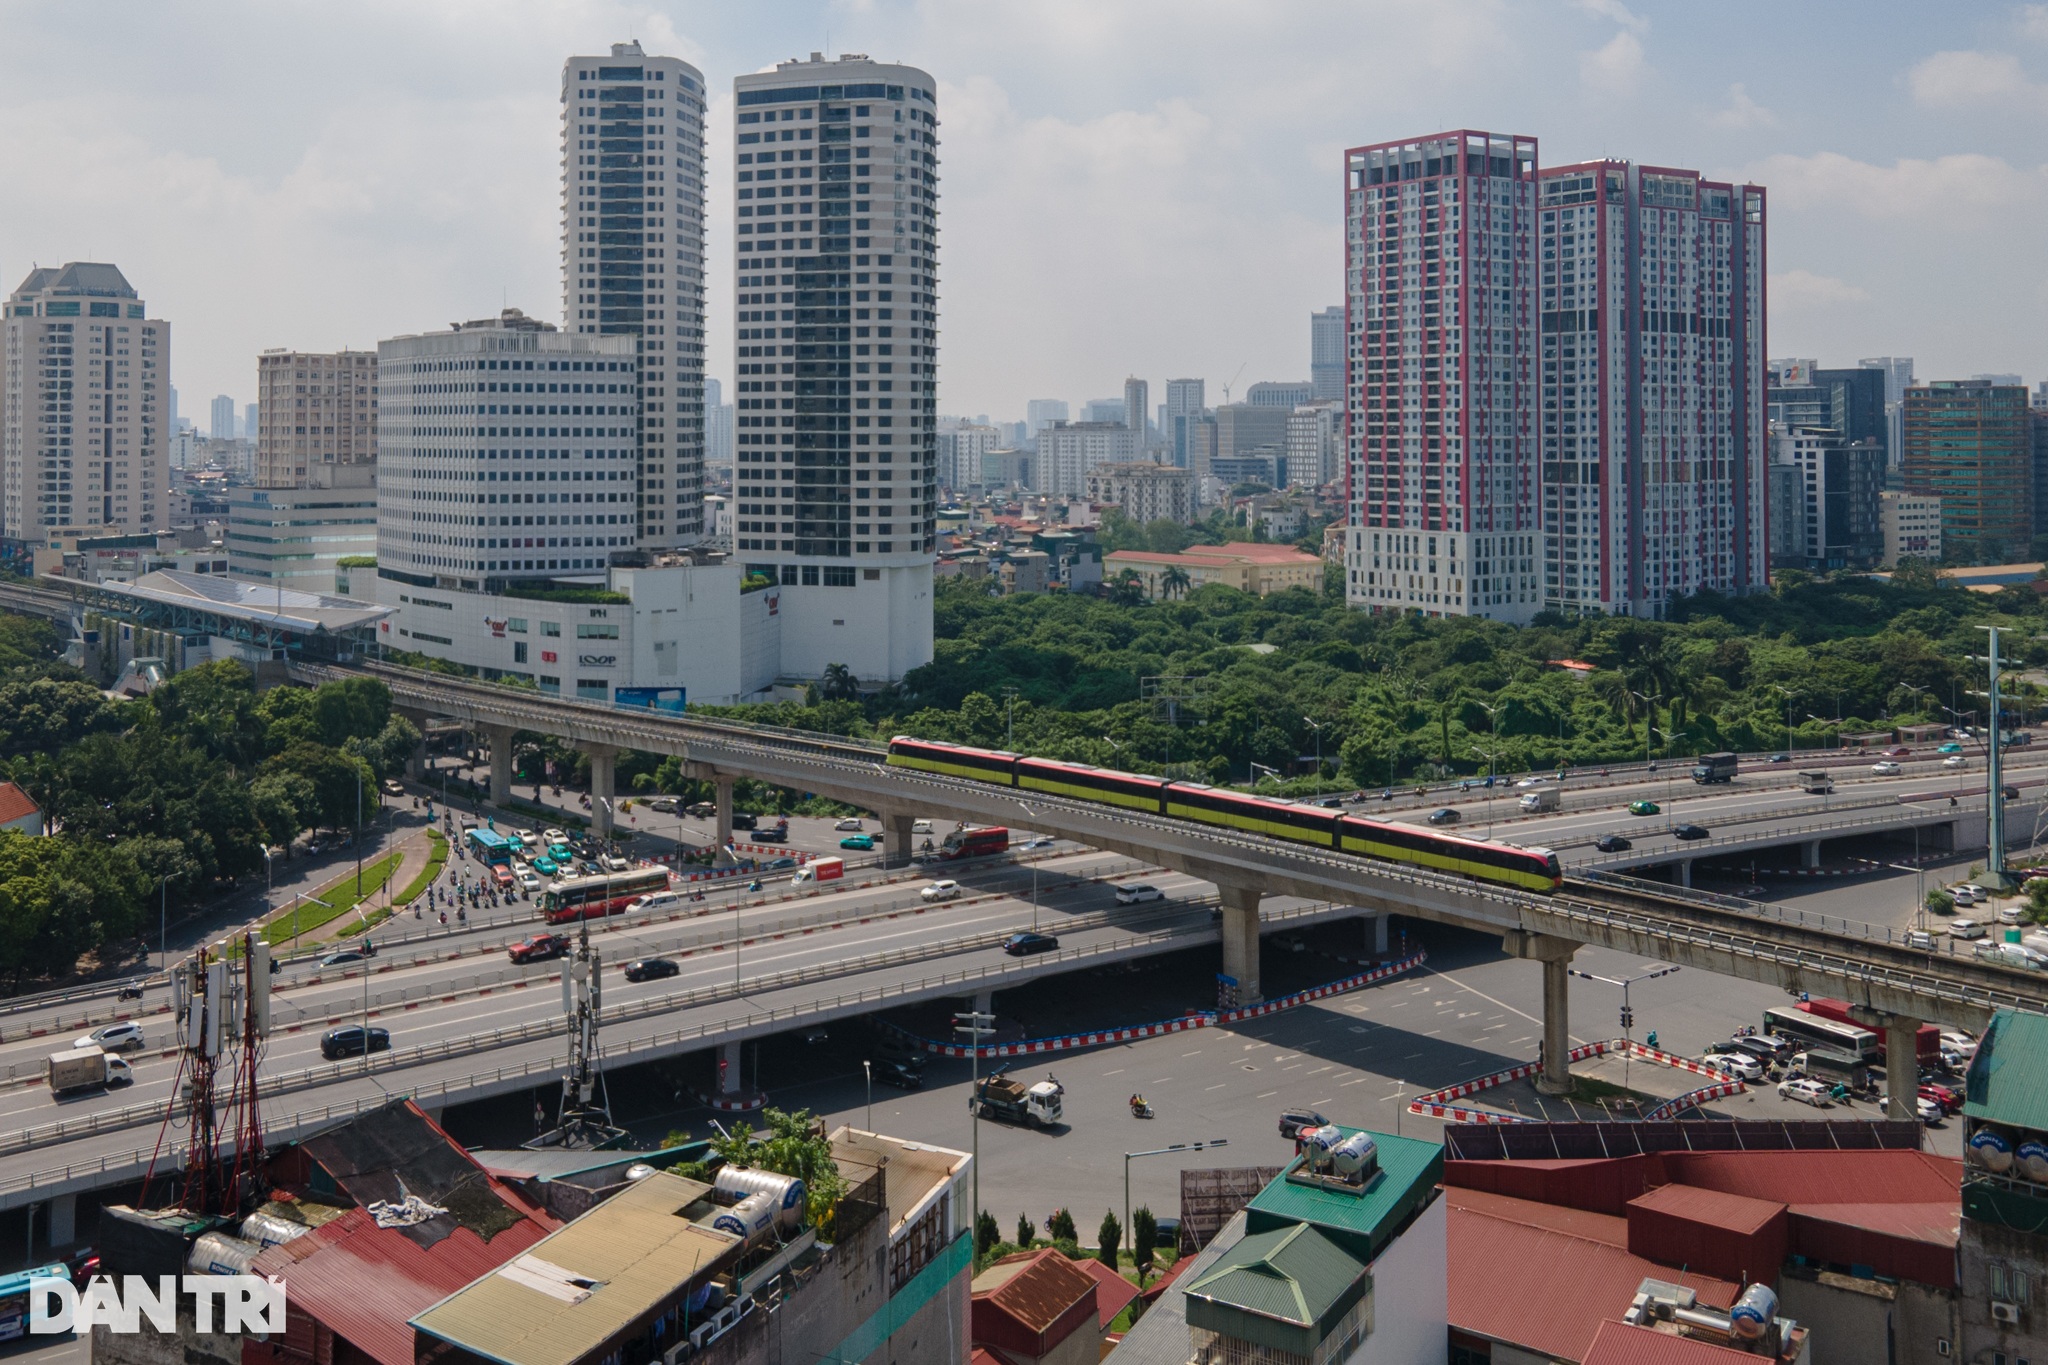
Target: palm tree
839, 684
1175, 581
1127, 589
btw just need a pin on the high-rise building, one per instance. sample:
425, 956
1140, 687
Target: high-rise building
1440, 283
1245, 429
962, 452
1040, 413
1654, 436
836, 170
84, 434
1835, 510
2009, 381
1849, 401
252, 413
2037, 420
1145, 492
1137, 398
1898, 377
1067, 451
1103, 410
553, 413
1969, 443
1184, 399
1912, 527
1268, 393
1326, 353
718, 428
633, 258
296, 537
176, 422
1314, 448
321, 408
222, 425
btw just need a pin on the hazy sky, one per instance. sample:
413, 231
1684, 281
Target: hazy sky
1128, 186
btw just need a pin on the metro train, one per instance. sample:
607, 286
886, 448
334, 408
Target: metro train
1527, 869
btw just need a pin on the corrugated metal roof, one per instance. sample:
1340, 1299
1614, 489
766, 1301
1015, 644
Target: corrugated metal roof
1035, 1287
634, 1252
1546, 1291
1794, 1178
1409, 1170
1593, 1227
1113, 1293
1617, 1343
2008, 1080
1160, 1337
1292, 1275
1716, 1208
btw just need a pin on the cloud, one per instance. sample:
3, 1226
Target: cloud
1617, 68
1966, 190
1803, 288
1618, 12
1974, 80
2033, 22
1743, 112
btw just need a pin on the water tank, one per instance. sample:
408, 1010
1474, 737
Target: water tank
1354, 1154
1990, 1149
639, 1170
1321, 1140
786, 1190
1751, 1316
2031, 1161
269, 1230
751, 1220
216, 1253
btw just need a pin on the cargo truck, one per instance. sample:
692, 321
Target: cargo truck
1714, 768
820, 870
1541, 800
1002, 1097
86, 1068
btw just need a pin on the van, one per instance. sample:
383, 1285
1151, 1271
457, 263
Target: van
661, 900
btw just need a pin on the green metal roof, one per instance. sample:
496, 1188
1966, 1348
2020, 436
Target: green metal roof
2008, 1078
1284, 1289
1361, 1221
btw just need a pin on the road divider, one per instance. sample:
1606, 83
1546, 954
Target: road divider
1436, 1104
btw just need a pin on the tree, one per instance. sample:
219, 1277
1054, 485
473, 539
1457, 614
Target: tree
792, 1147
1024, 1231
1060, 1226
1144, 1233
1127, 589
838, 684
986, 1234
1175, 582
1109, 1239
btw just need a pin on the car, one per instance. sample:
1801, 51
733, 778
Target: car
1779, 758
920, 827
1132, 893
1962, 1044
1952, 747
2012, 914
744, 820
1770, 1047
1884, 767
1955, 761
1951, 1101
850, 825
546, 866
1965, 929
2010, 792
1928, 1111
1963, 893
1613, 843
392, 787
940, 891
1738, 1064
1329, 802
1918, 938
1444, 815
1690, 832
122, 1037
864, 842
1042, 841
353, 1040
1294, 1122
1806, 1092
1644, 808
552, 835
538, 948
529, 883
1752, 892
1528, 782
902, 1075
612, 862
778, 864
344, 957
1899, 752
815, 1036
1023, 945
650, 969
701, 810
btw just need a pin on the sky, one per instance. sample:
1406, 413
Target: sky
1148, 187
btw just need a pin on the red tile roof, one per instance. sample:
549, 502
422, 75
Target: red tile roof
15, 803
1256, 551
1516, 1282
1113, 1293
1042, 1301
1152, 1291
1617, 1343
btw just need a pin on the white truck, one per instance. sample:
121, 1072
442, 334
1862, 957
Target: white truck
86, 1068
1540, 801
1034, 1106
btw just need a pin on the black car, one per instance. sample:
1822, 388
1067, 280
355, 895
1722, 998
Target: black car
347, 1041
1444, 815
1023, 945
899, 1074
1612, 843
743, 820
650, 969
1293, 1122
1329, 802
1690, 832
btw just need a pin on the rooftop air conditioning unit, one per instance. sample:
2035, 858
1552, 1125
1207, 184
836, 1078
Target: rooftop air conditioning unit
2005, 1312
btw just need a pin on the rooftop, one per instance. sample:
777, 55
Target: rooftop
1618, 1343
2008, 1080
917, 1170
1361, 1220
1285, 1289
90, 278
1036, 1288
15, 803
285, 609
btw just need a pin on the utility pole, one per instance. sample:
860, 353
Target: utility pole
974, 1026
1994, 774
1160, 1151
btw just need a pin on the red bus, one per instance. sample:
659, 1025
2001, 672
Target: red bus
575, 898
975, 843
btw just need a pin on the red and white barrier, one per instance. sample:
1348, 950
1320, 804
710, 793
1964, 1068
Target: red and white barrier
1435, 1103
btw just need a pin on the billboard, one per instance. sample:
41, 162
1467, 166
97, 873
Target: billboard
650, 698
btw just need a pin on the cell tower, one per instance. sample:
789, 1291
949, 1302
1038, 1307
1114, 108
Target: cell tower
220, 997
583, 1119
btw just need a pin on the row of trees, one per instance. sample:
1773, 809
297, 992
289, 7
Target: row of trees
1061, 1233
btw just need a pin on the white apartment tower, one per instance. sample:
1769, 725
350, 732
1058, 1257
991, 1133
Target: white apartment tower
1653, 435
84, 405
1440, 287
836, 245
633, 259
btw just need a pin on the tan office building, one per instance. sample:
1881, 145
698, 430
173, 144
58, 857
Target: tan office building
84, 405
315, 410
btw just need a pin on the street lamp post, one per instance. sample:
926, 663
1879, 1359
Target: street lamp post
1649, 720
1786, 693
1628, 1014
868, 1069
1319, 746
1034, 868
1489, 756
976, 1026
1161, 1151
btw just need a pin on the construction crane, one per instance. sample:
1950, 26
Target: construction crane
1232, 380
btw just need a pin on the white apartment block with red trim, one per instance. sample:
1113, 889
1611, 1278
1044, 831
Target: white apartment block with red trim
1440, 394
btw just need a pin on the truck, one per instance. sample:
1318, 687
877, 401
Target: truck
1541, 800
1714, 768
538, 948
86, 1068
1003, 1097
1817, 784
820, 870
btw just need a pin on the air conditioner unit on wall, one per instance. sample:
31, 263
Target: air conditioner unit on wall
2005, 1312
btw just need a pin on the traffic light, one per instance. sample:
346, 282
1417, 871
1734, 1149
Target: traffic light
1628, 1017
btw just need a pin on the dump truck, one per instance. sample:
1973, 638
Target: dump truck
86, 1068
1004, 1097
1715, 768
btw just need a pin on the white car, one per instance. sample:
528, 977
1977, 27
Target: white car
1132, 893
1963, 893
1806, 1092
920, 827
1738, 1064
612, 862
125, 1037
529, 880
554, 836
850, 825
1960, 1043
1886, 768
1929, 1112
1965, 928
2012, 914
1042, 841
940, 891
1955, 761
1528, 782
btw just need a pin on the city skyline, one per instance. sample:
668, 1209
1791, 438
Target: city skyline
1876, 146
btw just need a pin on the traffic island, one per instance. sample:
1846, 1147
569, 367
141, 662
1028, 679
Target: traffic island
1612, 1081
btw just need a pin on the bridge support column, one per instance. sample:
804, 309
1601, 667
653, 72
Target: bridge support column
723, 799
898, 840
500, 737
1901, 1059
1809, 854
1556, 956
981, 1002
728, 1068
416, 761
603, 765
1376, 931
1685, 872
63, 1225
1241, 940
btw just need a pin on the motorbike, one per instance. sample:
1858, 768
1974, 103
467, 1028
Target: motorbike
132, 991
1141, 1109
754, 885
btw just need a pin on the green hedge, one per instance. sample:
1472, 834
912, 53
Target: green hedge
437, 858
311, 914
